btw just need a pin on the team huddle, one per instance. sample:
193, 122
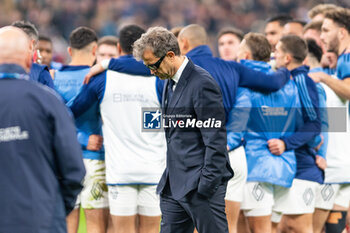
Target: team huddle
278, 162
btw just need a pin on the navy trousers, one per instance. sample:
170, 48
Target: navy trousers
194, 210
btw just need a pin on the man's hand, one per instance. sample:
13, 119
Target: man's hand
321, 162
96, 69
276, 146
95, 142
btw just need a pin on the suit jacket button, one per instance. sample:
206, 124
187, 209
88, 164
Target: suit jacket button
168, 140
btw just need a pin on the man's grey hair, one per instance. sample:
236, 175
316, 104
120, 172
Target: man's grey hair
28, 28
159, 40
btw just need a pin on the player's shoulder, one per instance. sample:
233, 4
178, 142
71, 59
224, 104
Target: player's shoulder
102, 75
100, 79
203, 75
202, 79
343, 62
345, 57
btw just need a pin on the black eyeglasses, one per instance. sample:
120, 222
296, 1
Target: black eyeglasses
156, 65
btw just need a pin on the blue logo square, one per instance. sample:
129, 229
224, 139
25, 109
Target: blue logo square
152, 119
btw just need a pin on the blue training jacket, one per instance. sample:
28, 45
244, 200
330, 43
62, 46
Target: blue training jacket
272, 115
305, 154
238, 118
68, 83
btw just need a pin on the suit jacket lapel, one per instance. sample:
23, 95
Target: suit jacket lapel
180, 86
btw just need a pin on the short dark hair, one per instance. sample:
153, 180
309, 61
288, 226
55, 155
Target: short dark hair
128, 35
108, 40
45, 38
28, 28
231, 30
295, 46
282, 19
314, 49
259, 46
341, 16
81, 37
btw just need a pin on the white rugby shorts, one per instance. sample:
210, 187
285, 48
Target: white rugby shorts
129, 200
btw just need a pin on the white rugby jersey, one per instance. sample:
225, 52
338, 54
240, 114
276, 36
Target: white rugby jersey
132, 156
338, 152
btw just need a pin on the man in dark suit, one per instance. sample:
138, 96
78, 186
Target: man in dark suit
194, 182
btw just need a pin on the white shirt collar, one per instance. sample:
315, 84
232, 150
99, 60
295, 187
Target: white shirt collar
177, 76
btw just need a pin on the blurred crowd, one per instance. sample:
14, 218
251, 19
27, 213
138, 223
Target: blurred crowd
57, 18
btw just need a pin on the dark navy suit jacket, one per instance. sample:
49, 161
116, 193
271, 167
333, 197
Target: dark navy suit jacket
196, 157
